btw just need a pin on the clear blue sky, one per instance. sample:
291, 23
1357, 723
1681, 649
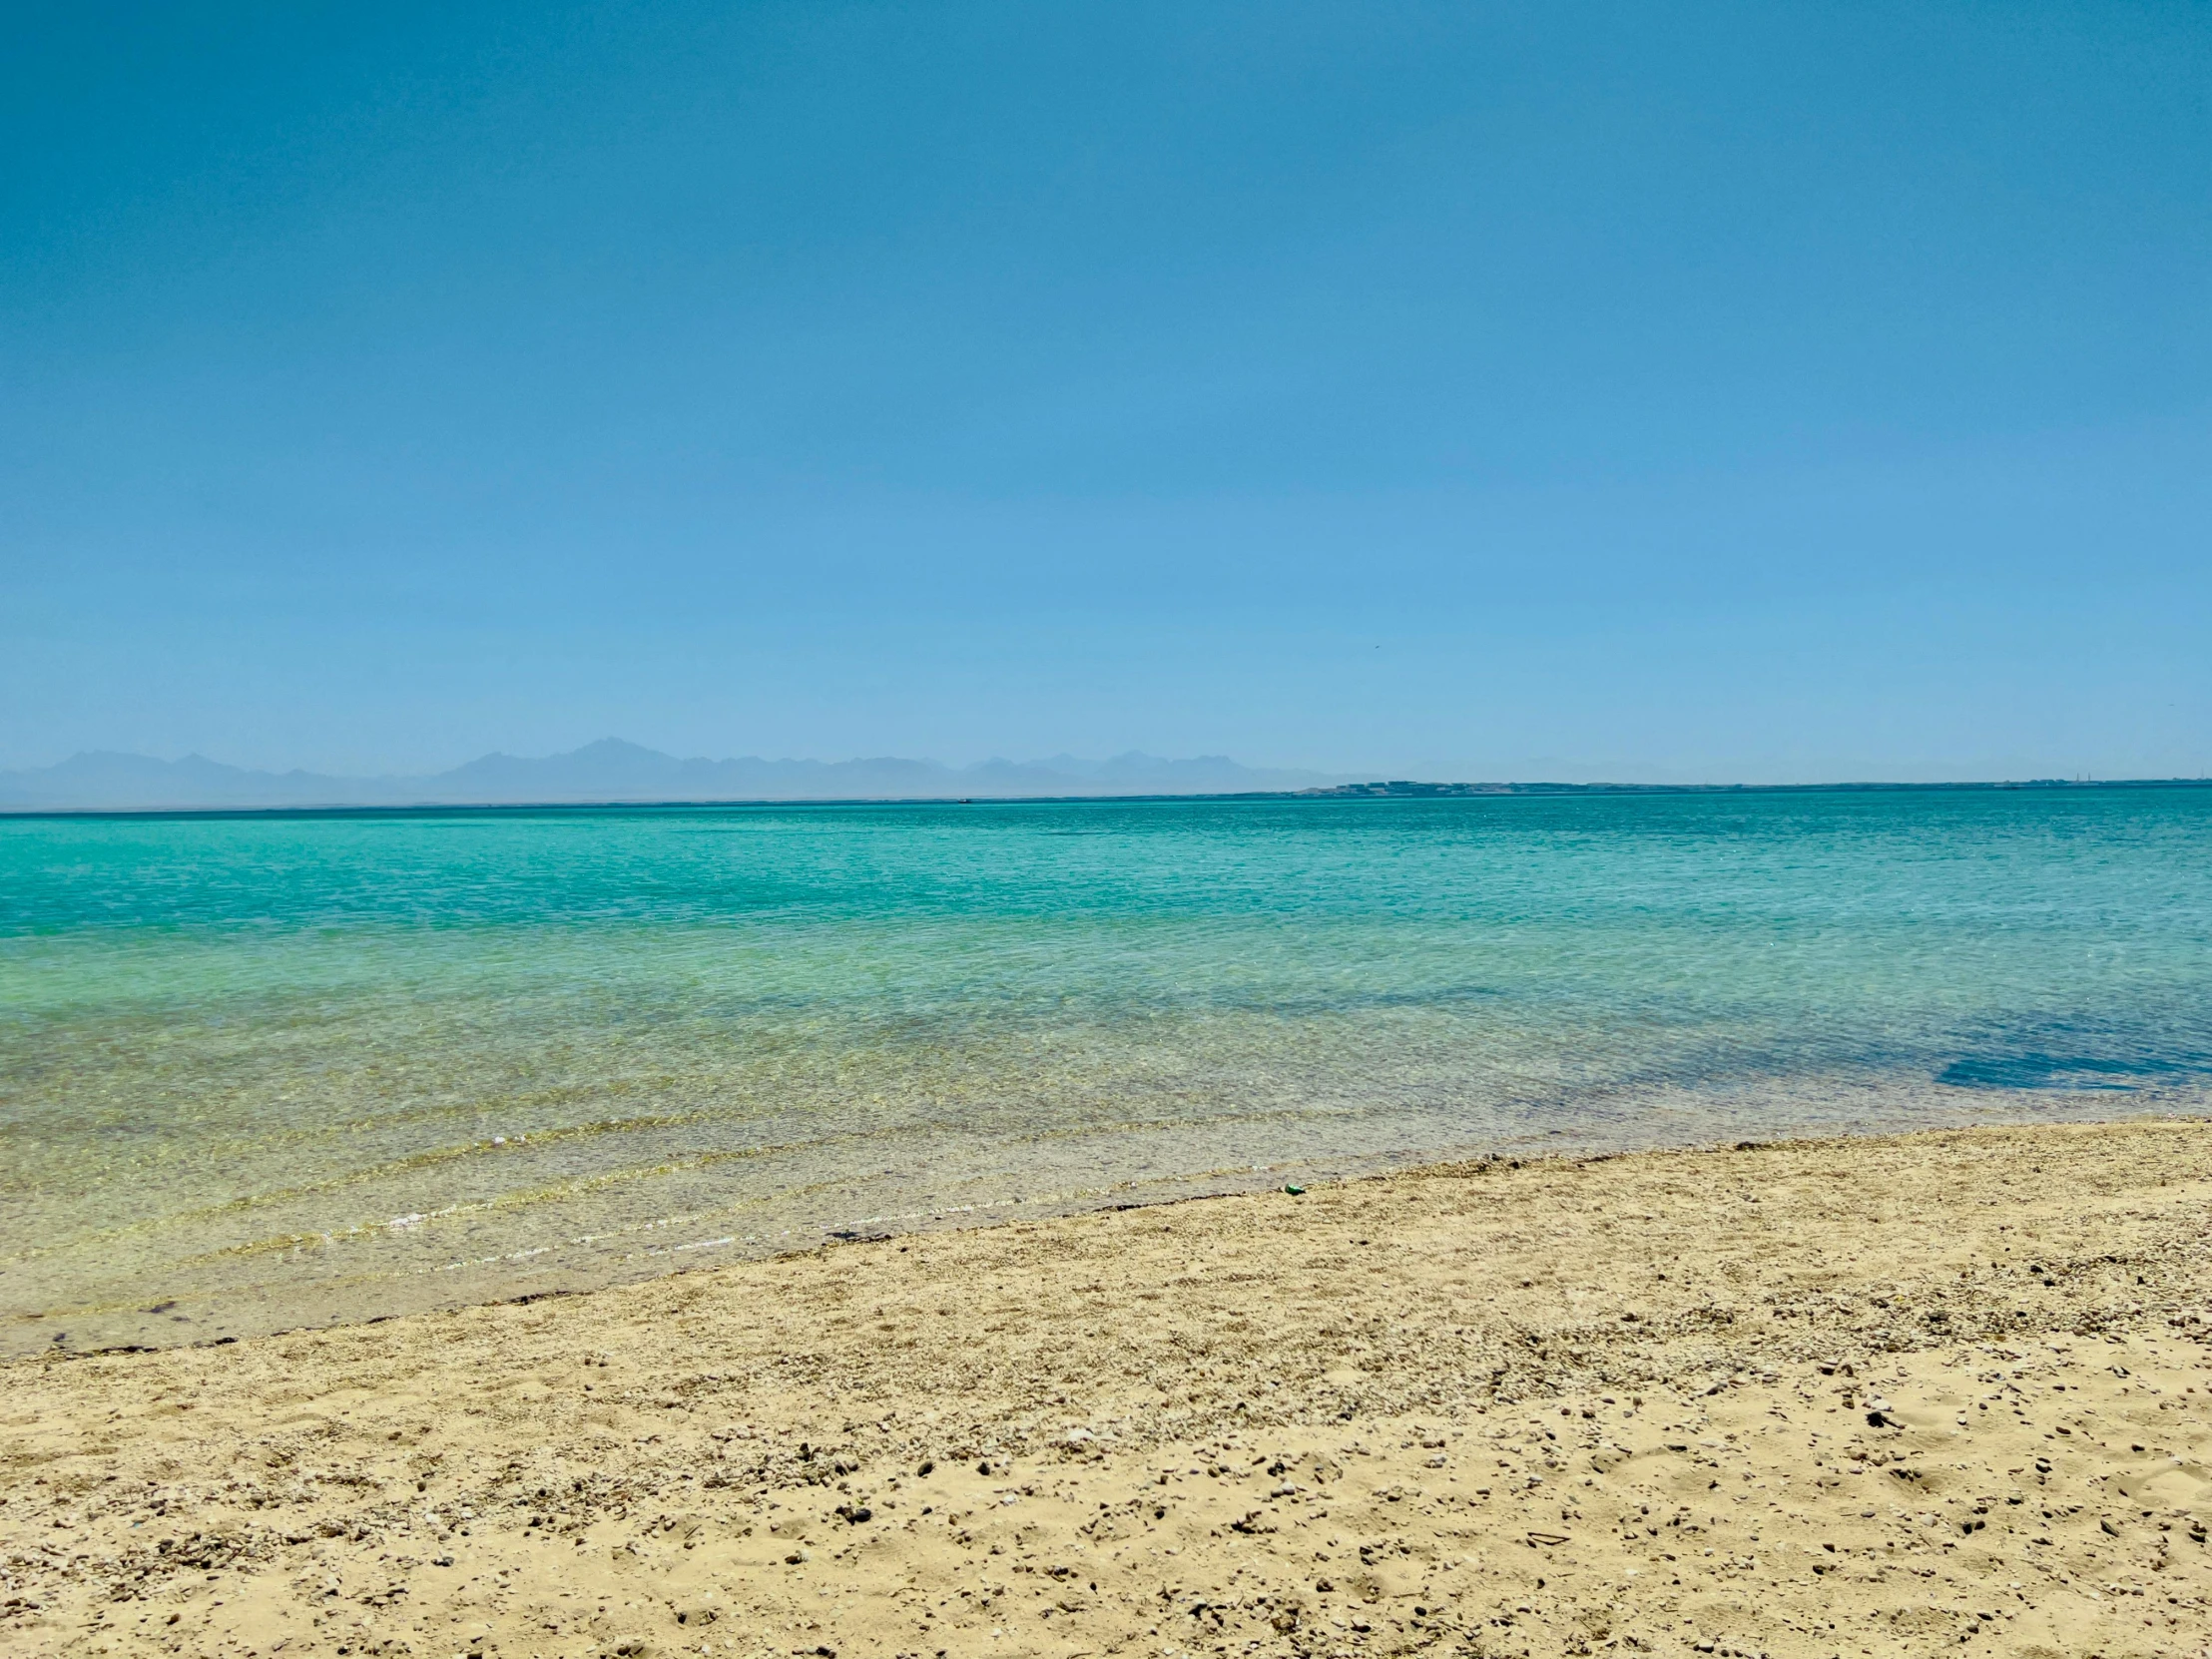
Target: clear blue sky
1771, 391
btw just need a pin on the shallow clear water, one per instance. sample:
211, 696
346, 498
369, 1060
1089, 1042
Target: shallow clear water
281, 1068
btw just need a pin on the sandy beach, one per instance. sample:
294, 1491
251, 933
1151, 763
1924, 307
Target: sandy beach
1828, 1398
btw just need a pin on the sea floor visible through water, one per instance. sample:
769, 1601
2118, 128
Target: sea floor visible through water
267, 1070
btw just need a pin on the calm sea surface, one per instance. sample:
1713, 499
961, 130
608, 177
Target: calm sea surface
256, 1072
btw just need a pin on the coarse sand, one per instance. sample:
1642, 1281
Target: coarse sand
1854, 1397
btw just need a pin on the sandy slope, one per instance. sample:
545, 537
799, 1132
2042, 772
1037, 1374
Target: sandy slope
1880, 1396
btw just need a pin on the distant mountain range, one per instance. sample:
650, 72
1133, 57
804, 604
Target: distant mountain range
614, 771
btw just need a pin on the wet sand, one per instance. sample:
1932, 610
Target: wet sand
1900, 1396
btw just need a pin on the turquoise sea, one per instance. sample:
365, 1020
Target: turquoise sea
263, 1070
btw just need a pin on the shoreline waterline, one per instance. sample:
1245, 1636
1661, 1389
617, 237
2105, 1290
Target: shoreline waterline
508, 1280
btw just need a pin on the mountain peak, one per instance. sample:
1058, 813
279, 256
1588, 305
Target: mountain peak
613, 749
612, 770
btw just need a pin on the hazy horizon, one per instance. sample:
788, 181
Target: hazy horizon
1508, 769
613, 771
